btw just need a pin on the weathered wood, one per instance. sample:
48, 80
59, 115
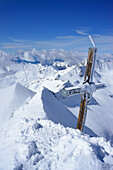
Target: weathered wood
83, 104
89, 65
81, 114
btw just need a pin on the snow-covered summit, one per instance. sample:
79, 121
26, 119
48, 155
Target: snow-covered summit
38, 129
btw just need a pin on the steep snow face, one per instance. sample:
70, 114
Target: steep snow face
11, 98
103, 65
55, 111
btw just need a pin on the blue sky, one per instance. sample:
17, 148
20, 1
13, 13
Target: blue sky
46, 24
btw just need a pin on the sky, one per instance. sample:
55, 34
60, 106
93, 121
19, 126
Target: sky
58, 24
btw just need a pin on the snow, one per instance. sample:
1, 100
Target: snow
11, 98
38, 127
50, 103
41, 144
90, 88
49, 57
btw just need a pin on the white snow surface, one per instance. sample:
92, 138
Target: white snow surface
41, 144
38, 130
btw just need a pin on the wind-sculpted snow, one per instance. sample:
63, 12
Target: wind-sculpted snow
41, 144
11, 98
55, 111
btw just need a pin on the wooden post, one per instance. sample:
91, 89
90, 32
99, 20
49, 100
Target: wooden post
88, 78
88, 66
81, 113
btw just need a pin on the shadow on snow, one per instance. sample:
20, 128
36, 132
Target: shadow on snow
58, 113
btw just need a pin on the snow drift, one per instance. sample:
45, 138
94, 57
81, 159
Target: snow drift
41, 144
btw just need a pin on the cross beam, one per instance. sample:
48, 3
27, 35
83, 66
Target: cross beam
70, 91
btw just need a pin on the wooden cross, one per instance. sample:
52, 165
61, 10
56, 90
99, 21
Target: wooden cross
86, 90
85, 98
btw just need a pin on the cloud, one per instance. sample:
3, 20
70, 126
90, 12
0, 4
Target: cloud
16, 40
56, 44
103, 43
15, 46
96, 35
81, 32
66, 37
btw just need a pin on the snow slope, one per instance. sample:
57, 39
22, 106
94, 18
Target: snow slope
41, 144
38, 129
11, 98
